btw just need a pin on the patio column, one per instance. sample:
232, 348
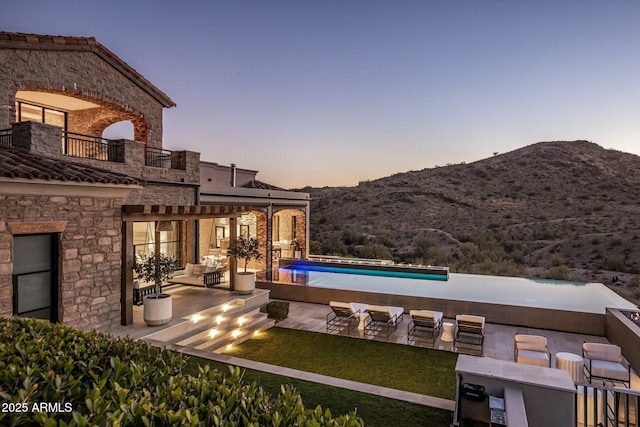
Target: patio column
269, 244
126, 274
233, 262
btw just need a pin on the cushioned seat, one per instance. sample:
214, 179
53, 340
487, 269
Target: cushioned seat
425, 325
532, 350
605, 362
344, 314
383, 318
469, 333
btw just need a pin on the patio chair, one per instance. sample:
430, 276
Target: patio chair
469, 333
383, 318
344, 314
425, 326
605, 362
532, 350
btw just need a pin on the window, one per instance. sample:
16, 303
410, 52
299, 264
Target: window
294, 232
35, 113
168, 241
35, 276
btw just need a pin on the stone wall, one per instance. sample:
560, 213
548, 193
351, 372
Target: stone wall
81, 74
90, 251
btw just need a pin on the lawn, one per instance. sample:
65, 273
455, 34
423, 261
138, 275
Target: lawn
376, 411
402, 367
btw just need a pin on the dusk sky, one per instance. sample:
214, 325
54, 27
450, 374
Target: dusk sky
336, 92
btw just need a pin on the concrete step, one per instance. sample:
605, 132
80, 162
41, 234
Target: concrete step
215, 328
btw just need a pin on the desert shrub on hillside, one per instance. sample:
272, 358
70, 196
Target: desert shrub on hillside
354, 237
560, 272
612, 263
316, 248
374, 251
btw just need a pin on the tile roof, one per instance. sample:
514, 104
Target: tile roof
17, 163
254, 183
46, 42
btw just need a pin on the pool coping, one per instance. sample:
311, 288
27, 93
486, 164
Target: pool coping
533, 317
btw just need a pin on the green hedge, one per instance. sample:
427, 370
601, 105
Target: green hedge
88, 378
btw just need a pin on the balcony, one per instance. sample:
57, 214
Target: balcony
93, 147
122, 156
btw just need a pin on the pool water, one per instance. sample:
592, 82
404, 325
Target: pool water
559, 295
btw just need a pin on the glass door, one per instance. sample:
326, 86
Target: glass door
35, 276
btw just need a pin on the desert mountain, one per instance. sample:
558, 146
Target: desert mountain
552, 208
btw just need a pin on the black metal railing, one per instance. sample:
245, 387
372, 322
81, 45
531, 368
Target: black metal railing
607, 406
92, 147
6, 137
157, 157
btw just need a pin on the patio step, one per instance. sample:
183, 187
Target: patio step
231, 323
227, 326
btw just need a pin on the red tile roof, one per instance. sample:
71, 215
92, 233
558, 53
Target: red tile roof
45, 42
17, 163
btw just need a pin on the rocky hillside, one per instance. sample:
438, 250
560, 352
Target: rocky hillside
552, 209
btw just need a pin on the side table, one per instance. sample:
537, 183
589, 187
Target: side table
572, 363
447, 332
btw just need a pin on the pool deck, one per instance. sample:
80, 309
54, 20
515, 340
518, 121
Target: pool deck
499, 340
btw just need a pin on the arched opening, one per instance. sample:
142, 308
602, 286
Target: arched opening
78, 114
120, 130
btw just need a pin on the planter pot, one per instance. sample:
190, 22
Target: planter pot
245, 283
157, 311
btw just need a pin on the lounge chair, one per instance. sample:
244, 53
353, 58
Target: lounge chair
605, 362
469, 333
383, 318
532, 350
344, 314
425, 325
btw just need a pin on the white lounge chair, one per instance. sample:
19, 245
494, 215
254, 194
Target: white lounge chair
344, 314
605, 362
469, 333
425, 325
383, 318
532, 350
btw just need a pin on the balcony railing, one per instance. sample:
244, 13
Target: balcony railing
157, 157
6, 137
607, 406
92, 147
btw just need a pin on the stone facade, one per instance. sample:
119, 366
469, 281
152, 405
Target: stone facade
88, 72
90, 247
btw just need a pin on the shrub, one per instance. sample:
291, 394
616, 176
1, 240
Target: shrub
100, 380
613, 263
278, 310
315, 247
560, 272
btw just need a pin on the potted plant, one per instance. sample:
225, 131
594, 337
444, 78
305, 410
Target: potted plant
246, 248
156, 268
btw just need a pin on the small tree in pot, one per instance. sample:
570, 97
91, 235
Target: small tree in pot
156, 268
246, 248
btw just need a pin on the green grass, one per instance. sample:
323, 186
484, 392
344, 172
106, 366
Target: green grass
376, 411
402, 367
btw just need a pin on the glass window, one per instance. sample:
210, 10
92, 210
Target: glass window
144, 239
35, 113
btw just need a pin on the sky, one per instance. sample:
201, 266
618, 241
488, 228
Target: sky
331, 93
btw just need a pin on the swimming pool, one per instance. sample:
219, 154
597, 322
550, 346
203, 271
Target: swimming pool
514, 291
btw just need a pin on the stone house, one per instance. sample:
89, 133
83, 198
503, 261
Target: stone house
75, 208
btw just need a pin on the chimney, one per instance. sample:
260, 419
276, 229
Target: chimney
233, 174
